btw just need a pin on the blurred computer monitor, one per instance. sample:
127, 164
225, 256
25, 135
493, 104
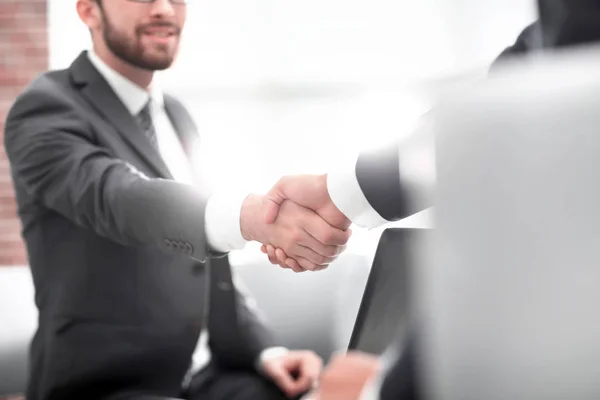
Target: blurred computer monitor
385, 311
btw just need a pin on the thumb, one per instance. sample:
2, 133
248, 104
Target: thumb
273, 200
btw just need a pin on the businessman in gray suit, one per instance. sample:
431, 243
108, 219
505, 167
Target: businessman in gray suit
135, 294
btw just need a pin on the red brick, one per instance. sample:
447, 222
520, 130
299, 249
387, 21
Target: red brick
24, 49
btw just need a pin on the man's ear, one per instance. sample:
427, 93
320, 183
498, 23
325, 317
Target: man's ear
89, 12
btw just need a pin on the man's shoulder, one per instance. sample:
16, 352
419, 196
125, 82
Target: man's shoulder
526, 41
48, 88
53, 81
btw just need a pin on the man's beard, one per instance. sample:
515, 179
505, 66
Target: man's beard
131, 51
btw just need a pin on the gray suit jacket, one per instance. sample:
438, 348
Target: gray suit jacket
117, 248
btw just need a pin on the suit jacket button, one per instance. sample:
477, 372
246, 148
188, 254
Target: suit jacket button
225, 286
168, 243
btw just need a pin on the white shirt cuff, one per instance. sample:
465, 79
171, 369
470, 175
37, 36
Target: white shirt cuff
222, 222
269, 354
346, 194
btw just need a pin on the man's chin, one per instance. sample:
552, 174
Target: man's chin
161, 66
156, 64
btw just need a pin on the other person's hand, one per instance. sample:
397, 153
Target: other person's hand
309, 191
298, 231
346, 377
295, 372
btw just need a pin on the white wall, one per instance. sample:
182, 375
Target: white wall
234, 42
478, 30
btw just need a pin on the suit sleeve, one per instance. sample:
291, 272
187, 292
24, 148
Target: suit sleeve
54, 157
390, 184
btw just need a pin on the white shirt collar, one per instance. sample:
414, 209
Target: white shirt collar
133, 96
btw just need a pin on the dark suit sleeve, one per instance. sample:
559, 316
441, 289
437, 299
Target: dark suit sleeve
527, 40
54, 157
398, 180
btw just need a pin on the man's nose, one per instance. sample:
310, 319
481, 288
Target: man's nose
163, 8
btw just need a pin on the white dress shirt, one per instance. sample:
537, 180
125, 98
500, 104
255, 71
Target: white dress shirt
417, 172
345, 192
222, 214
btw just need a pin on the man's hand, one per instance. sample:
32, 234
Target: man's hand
295, 372
346, 377
297, 231
309, 191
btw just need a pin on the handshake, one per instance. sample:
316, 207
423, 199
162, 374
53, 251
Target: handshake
298, 224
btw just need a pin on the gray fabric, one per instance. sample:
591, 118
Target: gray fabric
58, 163
322, 321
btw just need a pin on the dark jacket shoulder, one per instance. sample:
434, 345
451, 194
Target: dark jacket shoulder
527, 41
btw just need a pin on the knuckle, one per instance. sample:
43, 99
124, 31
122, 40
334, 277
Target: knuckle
297, 235
325, 236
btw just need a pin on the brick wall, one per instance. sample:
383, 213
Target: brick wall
23, 55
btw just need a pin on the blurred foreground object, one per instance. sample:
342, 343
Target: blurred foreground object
510, 303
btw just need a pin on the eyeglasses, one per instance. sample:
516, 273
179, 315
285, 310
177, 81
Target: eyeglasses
180, 2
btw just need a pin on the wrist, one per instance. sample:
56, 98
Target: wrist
249, 216
269, 354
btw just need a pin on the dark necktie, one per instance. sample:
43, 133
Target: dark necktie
144, 118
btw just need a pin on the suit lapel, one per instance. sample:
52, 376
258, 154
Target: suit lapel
184, 127
101, 96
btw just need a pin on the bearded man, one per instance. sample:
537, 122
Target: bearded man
134, 290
